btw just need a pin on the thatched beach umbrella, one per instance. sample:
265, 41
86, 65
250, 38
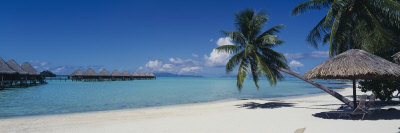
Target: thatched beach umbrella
116, 73
28, 68
355, 64
90, 72
14, 66
125, 73
396, 58
77, 73
104, 72
5, 69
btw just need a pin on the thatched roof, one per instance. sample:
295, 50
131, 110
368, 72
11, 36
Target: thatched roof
135, 74
77, 73
355, 64
90, 72
5, 69
141, 74
28, 68
125, 73
396, 58
14, 66
146, 74
116, 73
104, 72
151, 74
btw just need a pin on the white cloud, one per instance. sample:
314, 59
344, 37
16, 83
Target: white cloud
141, 68
173, 65
195, 55
154, 64
42, 65
176, 61
190, 69
320, 54
211, 40
224, 41
295, 64
314, 54
59, 69
167, 66
218, 59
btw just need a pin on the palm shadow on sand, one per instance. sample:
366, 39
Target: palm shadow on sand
378, 113
268, 105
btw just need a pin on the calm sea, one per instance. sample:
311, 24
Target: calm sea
58, 97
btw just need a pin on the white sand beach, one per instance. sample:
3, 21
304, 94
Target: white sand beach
238, 116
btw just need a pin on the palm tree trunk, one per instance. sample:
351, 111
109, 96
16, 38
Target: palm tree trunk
320, 86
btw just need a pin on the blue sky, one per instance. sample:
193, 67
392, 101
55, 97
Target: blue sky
176, 36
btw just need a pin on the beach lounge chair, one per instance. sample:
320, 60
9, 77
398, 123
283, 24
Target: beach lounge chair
360, 110
300, 130
371, 102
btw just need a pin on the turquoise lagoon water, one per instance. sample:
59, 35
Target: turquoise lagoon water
58, 97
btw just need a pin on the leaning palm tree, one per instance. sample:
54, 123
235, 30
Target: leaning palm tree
350, 24
253, 49
253, 52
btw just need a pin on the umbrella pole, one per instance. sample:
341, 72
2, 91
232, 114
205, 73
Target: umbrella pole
354, 94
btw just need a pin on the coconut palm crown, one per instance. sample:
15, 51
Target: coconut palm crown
252, 48
371, 25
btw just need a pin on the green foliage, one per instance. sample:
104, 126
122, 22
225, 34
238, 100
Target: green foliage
383, 88
371, 25
253, 49
47, 73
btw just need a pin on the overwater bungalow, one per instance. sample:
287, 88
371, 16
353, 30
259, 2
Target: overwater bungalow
104, 75
21, 75
14, 75
141, 74
77, 75
126, 75
34, 76
152, 75
135, 74
90, 75
116, 75
7, 74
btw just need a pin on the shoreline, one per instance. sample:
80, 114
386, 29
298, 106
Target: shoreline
252, 115
175, 105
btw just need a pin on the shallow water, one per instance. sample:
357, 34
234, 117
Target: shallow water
59, 97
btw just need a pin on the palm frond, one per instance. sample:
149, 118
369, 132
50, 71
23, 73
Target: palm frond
242, 73
333, 12
236, 37
273, 30
335, 27
254, 71
311, 5
316, 33
249, 49
265, 69
234, 61
389, 8
249, 23
228, 49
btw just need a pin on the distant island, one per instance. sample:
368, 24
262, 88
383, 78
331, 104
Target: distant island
174, 75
